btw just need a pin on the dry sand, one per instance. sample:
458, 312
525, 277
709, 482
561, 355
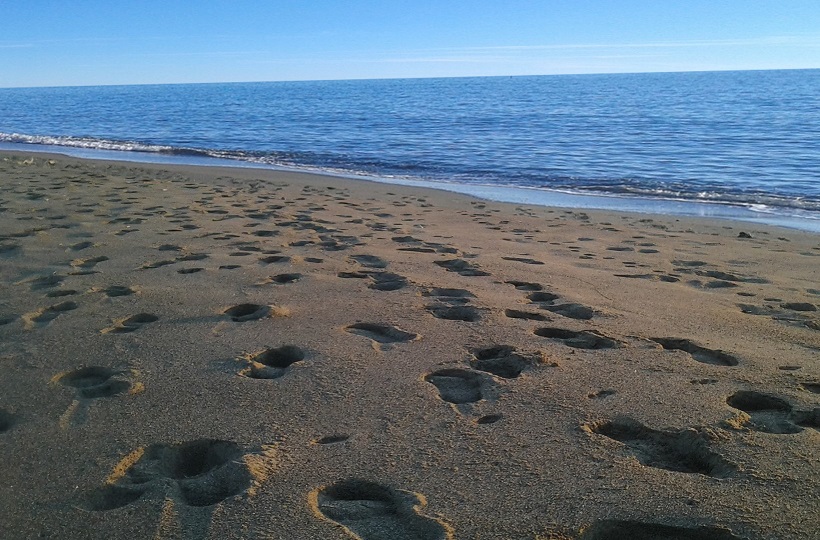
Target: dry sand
233, 353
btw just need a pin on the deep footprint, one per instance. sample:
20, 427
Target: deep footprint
46, 315
94, 382
579, 340
247, 312
371, 511
381, 333
387, 281
684, 451
273, 363
615, 529
197, 473
502, 361
7, 420
370, 261
133, 323
455, 313
768, 414
118, 290
457, 385
698, 353
461, 267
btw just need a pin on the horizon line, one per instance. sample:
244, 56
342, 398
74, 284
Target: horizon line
661, 72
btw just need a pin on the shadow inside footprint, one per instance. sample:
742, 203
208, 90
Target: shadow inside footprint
381, 333
579, 340
371, 511
457, 385
455, 313
461, 267
7, 420
768, 414
46, 315
615, 529
273, 363
133, 323
698, 353
95, 382
247, 312
118, 290
527, 315
282, 279
450, 296
387, 281
502, 361
684, 451
370, 261
197, 473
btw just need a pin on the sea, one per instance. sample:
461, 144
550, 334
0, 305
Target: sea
740, 145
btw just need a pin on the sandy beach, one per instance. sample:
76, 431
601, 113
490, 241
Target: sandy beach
215, 353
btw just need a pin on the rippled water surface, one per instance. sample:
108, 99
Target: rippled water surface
748, 138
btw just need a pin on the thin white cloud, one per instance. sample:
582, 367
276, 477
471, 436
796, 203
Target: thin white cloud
767, 40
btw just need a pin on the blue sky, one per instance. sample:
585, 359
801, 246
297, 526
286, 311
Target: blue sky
87, 42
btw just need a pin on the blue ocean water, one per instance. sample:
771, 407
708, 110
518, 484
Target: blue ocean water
746, 139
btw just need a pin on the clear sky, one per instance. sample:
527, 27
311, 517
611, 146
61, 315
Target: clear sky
88, 42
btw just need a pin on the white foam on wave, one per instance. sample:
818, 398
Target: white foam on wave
91, 143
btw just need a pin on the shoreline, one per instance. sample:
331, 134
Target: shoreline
505, 194
209, 352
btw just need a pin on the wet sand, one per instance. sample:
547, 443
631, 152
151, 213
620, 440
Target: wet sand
233, 353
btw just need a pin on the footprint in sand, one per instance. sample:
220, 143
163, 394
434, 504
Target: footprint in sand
45, 282
666, 278
131, 324
585, 339
526, 286
381, 334
43, 316
61, 293
91, 383
274, 259
698, 353
247, 312
771, 414
282, 279
455, 313
460, 386
461, 267
524, 260
450, 296
526, 315
812, 387
370, 511
547, 301
369, 261
503, 361
386, 281
88, 263
601, 394
684, 451
158, 264
197, 473
272, 363
616, 529
79, 246
95, 381
7, 420
332, 439
114, 291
